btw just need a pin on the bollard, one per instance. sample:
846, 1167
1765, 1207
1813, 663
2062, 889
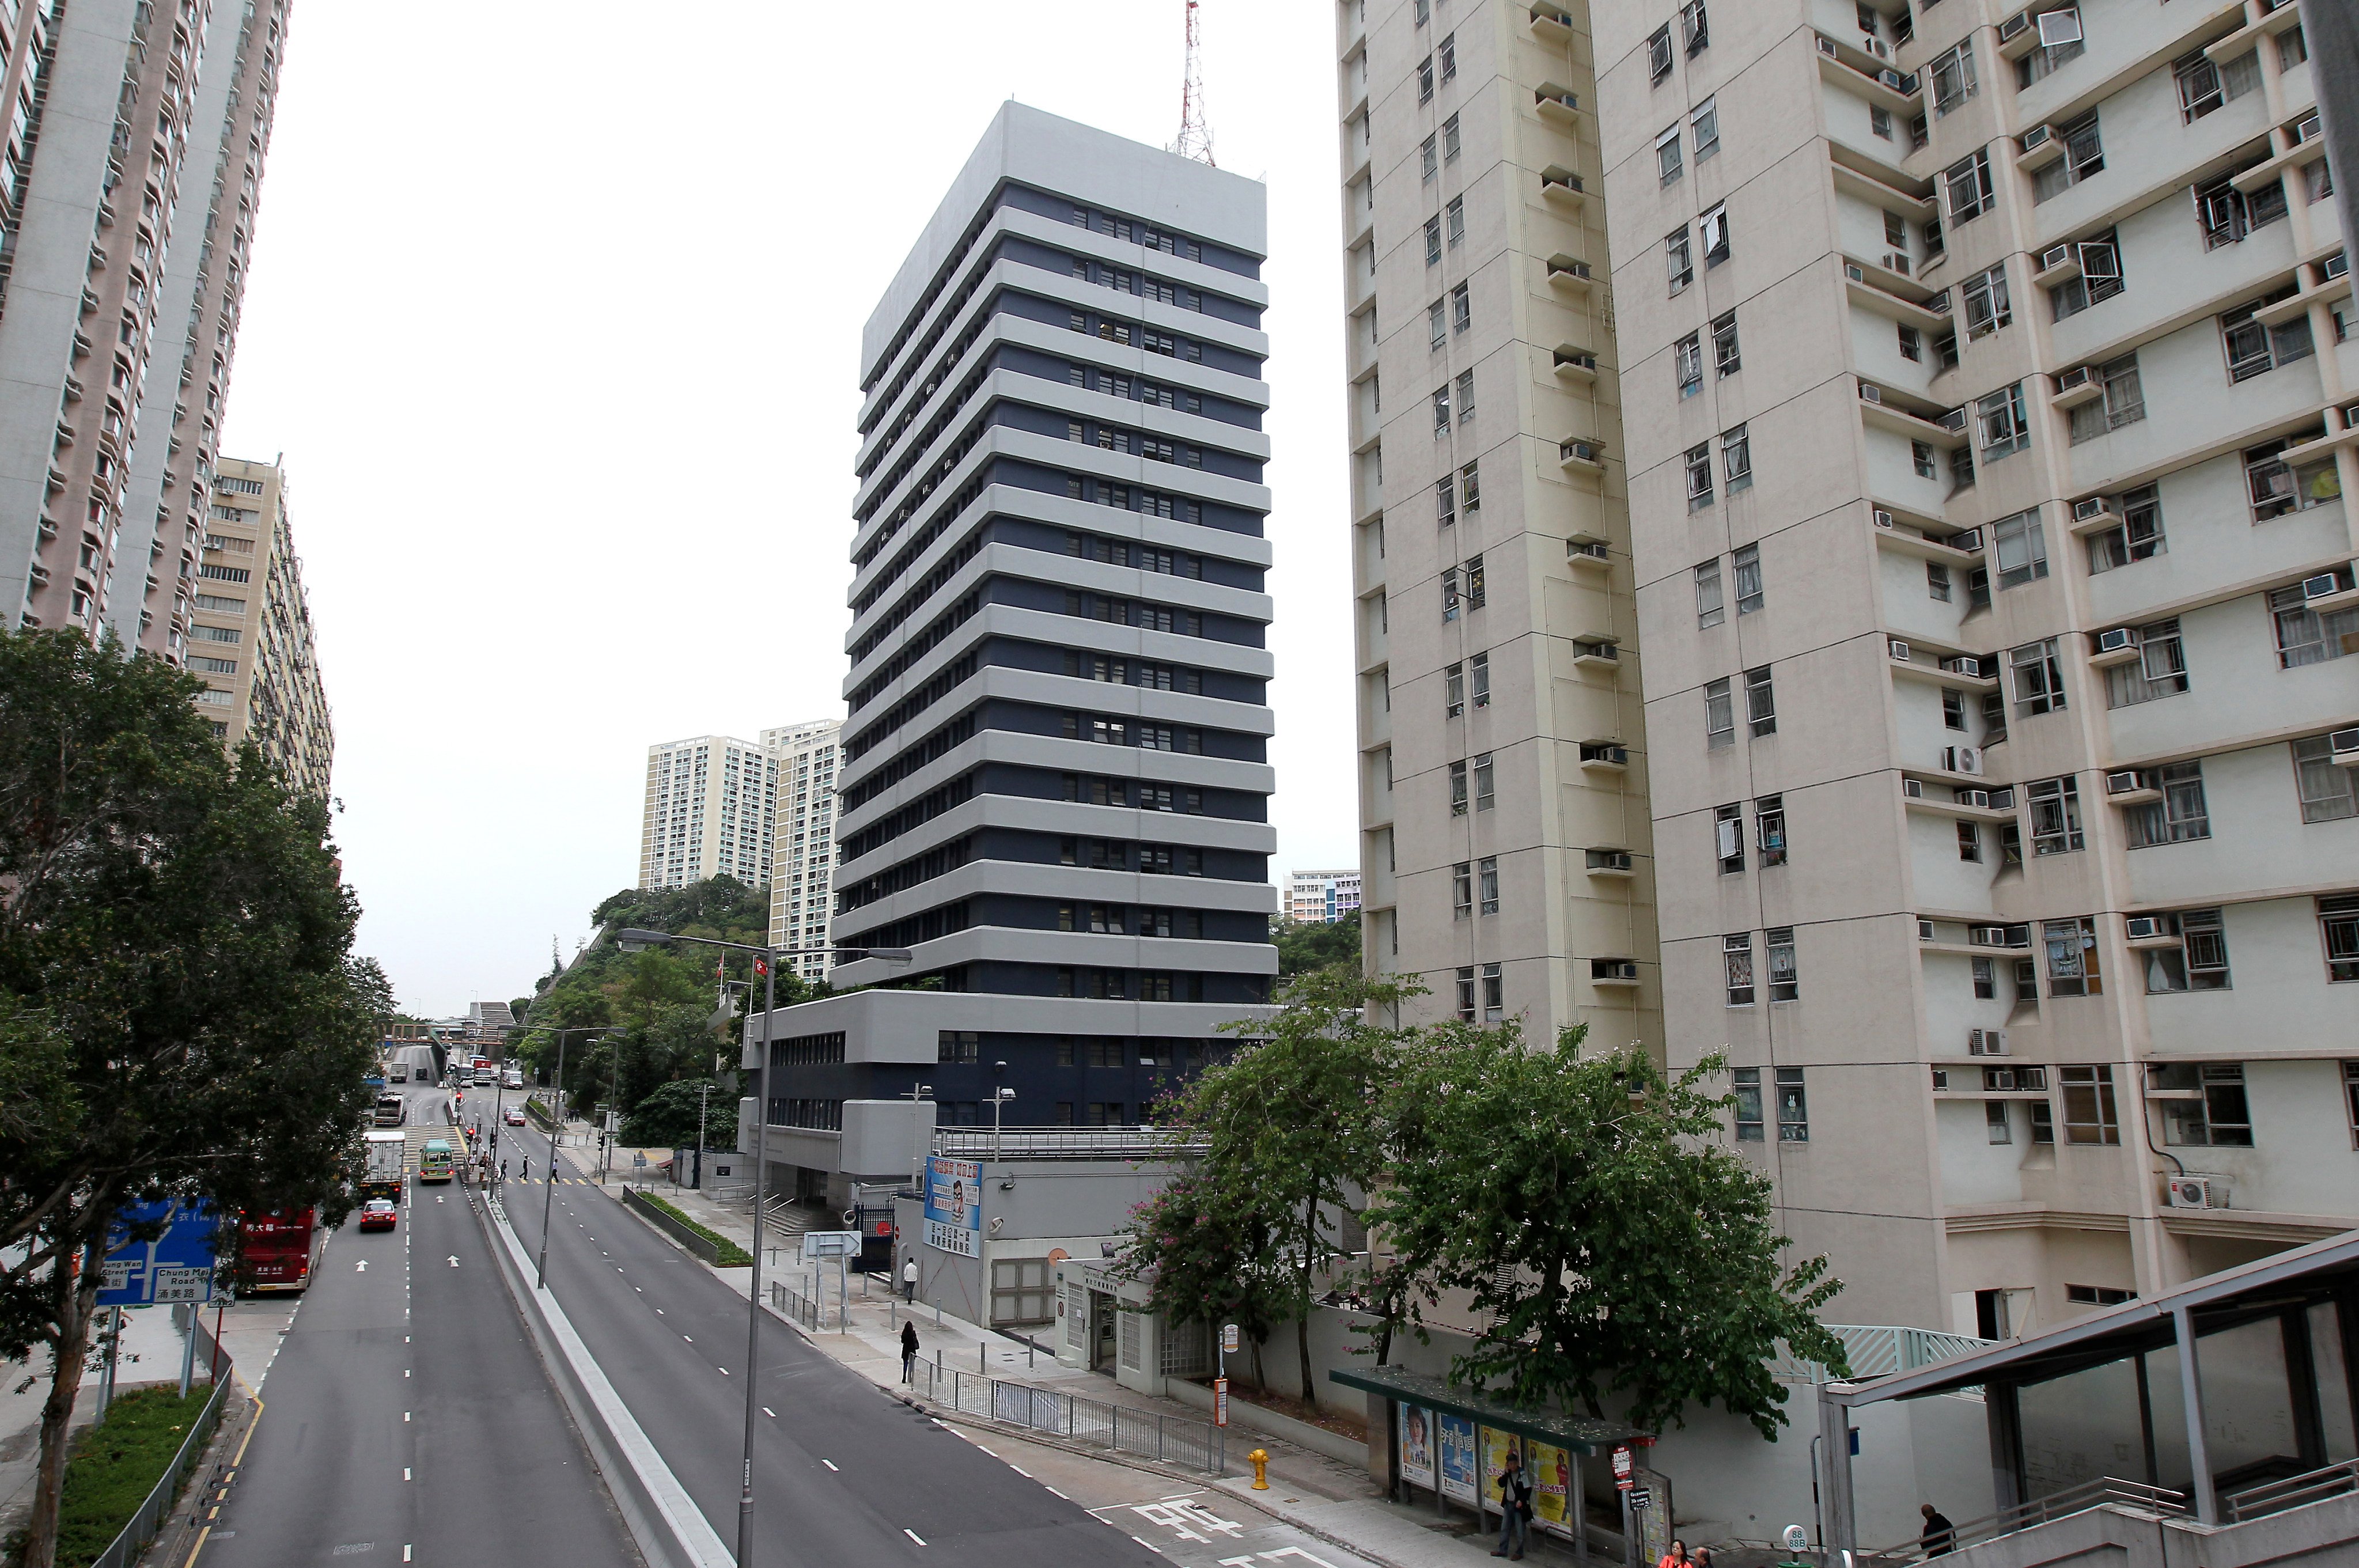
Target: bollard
938, 1361
1030, 1346
1259, 1460
981, 1364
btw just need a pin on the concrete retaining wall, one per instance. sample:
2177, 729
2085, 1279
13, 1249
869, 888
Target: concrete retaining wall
1270, 1423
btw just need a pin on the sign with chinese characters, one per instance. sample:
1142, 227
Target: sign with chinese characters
178, 1266
954, 1206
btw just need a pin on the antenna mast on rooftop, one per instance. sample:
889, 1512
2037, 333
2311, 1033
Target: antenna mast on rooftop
1195, 138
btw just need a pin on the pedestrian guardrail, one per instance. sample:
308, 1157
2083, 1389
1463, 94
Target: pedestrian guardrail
2276, 1497
2105, 1490
150, 1520
815, 1313
1171, 1440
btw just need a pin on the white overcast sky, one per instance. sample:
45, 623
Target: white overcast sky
555, 315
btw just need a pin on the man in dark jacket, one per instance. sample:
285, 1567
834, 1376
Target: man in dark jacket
1940, 1535
1514, 1508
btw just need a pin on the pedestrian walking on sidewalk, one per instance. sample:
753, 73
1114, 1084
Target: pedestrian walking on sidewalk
1676, 1557
909, 1351
1515, 1508
909, 1281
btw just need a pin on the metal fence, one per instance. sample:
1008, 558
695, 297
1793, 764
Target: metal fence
145, 1524
1172, 1440
2159, 1501
1878, 1350
818, 1314
2276, 1497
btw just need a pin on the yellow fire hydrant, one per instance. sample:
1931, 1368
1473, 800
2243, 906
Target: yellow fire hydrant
1259, 1460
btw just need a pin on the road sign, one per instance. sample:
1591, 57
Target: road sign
639, 1157
1230, 1338
1220, 1401
1641, 1499
176, 1267
1622, 1464
818, 1244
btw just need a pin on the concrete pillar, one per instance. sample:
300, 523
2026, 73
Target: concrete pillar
1842, 1523
2191, 1383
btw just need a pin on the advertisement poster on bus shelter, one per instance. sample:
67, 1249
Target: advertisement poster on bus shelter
1456, 1436
954, 1206
1497, 1447
1416, 1444
1552, 1485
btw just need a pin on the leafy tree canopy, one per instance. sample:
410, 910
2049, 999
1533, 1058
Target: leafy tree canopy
1306, 945
668, 1115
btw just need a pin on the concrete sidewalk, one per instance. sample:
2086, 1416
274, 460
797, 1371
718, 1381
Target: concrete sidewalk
149, 1356
1322, 1496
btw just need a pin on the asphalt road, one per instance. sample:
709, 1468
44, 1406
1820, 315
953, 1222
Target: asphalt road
408, 1418
842, 1474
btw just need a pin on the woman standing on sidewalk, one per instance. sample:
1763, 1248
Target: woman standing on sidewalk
909, 1351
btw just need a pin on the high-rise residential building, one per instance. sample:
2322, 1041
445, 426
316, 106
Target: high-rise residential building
1506, 842
1991, 421
711, 805
1053, 780
128, 180
1321, 896
802, 839
250, 630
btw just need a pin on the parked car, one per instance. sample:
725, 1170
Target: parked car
378, 1214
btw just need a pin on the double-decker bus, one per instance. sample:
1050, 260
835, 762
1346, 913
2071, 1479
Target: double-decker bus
279, 1247
437, 1160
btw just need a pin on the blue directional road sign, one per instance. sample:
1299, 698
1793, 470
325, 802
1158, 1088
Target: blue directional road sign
176, 1267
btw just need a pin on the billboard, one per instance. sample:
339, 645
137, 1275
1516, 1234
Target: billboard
176, 1267
1457, 1458
1416, 1444
954, 1206
1552, 1486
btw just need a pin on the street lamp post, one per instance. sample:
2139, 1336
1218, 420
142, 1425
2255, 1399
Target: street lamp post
550, 1195
633, 940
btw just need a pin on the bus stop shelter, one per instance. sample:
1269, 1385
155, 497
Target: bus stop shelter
1578, 1437
2298, 1307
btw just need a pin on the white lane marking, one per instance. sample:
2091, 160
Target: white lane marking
361, 1267
913, 1535
830, 1464
404, 1552
454, 1261
690, 1338
1053, 1492
771, 1413
405, 1472
1021, 1471
405, 1415
723, 1371
405, 1371
405, 1339
1150, 1546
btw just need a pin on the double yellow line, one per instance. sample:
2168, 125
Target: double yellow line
213, 1510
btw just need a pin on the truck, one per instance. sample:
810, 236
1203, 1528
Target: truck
279, 1248
384, 1164
388, 1110
398, 1073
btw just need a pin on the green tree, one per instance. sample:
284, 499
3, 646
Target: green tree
179, 1014
1293, 1134
1583, 1208
1306, 945
667, 1116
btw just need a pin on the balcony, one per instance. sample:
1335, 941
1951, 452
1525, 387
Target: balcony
1569, 275
1552, 25
1962, 804
1562, 185
1886, 291
1881, 410
1575, 364
1916, 660
1906, 532
1557, 102
1869, 76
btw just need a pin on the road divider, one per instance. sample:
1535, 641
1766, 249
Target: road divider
671, 1533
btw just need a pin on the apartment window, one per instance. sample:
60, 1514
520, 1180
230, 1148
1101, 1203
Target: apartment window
1970, 843
1736, 468
2200, 961
2351, 1098
2005, 429
1879, 121
1461, 308
2204, 86
2084, 154
1712, 229
1793, 1107
1968, 185
1912, 344
1687, 361
1703, 125
2338, 919
1456, 215
1450, 140
1952, 75
1659, 54
1668, 166
1482, 672
2228, 214
1465, 396
2055, 806
2139, 536
1677, 257
1433, 242
1760, 702
2253, 349
1987, 309
1954, 710
1785, 978
2071, 949
1437, 330
1457, 789
1694, 26
1997, 1126
1461, 889
2304, 636
1485, 796
2043, 1121
1441, 410
2327, 790
2159, 670
1448, 53
1486, 876
2090, 1115
1747, 564
1699, 472
1724, 355
1745, 1083
1466, 995
1945, 355
1494, 998
1937, 582
1728, 838
1475, 587
1470, 487
2276, 487
1920, 456
1424, 12
2100, 279
1449, 594
1453, 690
1445, 501
1736, 967
2206, 1104
1709, 611
1719, 715
1425, 80
1429, 157
2181, 815
1769, 828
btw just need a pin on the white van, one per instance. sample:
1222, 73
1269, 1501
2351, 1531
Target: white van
512, 1079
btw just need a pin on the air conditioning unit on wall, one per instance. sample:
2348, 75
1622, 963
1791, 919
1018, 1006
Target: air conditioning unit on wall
1986, 1043
2192, 1193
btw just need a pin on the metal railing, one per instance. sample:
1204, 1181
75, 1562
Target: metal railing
1171, 1440
2159, 1501
817, 1313
2276, 1497
1064, 1143
150, 1520
1878, 1350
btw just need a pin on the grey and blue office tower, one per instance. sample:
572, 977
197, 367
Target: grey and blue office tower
1055, 777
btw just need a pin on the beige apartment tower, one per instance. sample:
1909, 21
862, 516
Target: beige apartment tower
709, 809
1505, 847
250, 633
803, 837
1991, 422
